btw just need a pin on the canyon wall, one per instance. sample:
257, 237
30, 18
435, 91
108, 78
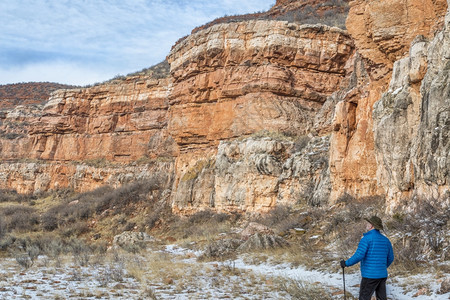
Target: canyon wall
82, 138
237, 80
383, 32
259, 113
412, 123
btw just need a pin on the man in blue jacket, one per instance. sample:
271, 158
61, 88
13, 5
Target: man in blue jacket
375, 254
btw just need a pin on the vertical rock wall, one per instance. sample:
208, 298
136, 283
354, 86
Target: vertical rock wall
413, 123
383, 32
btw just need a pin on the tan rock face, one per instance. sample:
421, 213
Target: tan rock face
111, 121
412, 124
117, 122
383, 32
234, 79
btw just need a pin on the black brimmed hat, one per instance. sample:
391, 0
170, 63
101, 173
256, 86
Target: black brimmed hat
376, 222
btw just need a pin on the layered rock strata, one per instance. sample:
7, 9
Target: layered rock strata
237, 79
257, 173
74, 138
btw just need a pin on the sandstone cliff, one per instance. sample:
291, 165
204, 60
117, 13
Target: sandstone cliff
257, 113
383, 32
412, 123
55, 145
237, 79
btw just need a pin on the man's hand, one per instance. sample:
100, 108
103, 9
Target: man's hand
343, 264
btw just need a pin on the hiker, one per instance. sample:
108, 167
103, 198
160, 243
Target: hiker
375, 254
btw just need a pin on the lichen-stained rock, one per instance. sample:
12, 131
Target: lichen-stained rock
260, 241
412, 123
130, 239
30, 177
255, 174
259, 164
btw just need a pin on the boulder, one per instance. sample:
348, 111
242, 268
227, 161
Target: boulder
129, 239
222, 248
254, 228
260, 241
445, 286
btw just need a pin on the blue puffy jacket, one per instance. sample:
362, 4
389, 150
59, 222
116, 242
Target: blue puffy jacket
375, 254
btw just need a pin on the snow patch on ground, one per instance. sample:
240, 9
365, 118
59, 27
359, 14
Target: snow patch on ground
238, 279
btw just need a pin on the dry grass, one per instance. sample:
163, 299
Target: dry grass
84, 228
202, 226
302, 290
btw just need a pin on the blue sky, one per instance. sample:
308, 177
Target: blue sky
86, 41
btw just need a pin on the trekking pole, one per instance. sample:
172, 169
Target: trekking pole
343, 279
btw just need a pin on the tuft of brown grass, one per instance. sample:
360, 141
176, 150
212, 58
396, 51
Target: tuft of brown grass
302, 290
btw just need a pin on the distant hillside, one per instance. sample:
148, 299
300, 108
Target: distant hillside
328, 12
27, 93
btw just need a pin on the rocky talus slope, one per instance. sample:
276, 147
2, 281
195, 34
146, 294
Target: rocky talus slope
258, 113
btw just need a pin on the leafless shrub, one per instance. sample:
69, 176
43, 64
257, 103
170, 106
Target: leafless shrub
201, 217
112, 272
6, 242
18, 217
422, 234
69, 217
202, 224
283, 218
24, 261
304, 291
275, 216
2, 228
27, 259
348, 237
53, 249
49, 221
75, 229
33, 252
148, 293
13, 196
81, 252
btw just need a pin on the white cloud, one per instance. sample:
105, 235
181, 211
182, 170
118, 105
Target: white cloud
56, 71
99, 38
